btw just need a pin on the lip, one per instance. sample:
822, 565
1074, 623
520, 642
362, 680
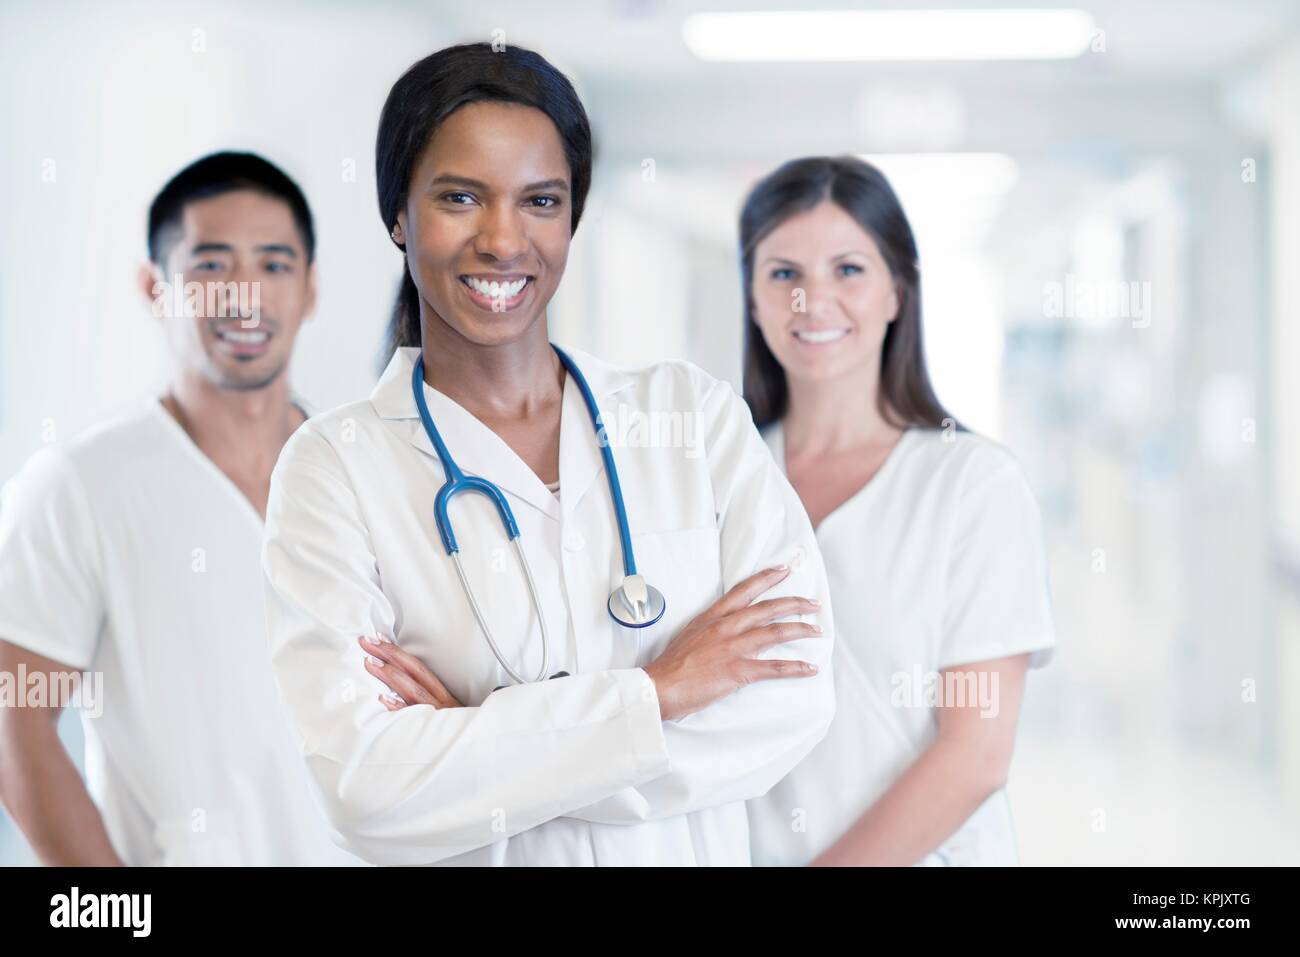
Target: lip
497, 304
242, 343
797, 336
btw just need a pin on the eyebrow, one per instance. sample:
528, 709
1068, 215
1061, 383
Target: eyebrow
780, 259
451, 179
280, 248
212, 248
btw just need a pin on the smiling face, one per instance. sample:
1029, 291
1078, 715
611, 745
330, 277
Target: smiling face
244, 250
849, 296
487, 223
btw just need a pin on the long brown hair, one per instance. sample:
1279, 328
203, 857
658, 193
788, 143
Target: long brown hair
905, 396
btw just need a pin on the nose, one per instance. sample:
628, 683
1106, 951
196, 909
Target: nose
821, 299
502, 236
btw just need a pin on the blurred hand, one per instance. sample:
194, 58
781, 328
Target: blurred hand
410, 681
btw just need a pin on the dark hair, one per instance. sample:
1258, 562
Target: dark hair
429, 92
905, 396
220, 173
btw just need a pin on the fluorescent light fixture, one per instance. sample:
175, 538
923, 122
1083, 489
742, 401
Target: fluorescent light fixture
848, 35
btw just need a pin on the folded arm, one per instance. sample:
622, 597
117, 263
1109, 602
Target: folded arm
740, 746
422, 784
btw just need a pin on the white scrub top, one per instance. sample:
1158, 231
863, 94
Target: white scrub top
126, 551
570, 771
937, 561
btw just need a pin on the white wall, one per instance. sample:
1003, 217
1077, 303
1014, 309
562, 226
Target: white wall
105, 102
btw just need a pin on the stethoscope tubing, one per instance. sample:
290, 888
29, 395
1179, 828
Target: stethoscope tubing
458, 482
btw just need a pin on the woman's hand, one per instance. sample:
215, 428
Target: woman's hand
408, 678
714, 655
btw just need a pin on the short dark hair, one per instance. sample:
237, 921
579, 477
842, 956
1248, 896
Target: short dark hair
434, 88
905, 396
220, 173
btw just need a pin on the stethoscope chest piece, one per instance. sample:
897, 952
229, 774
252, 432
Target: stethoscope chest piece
636, 604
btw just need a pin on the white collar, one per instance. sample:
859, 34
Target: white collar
480, 451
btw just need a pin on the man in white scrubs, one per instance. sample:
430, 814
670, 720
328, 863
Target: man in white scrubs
132, 553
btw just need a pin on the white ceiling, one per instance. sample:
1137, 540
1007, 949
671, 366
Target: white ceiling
622, 40
1156, 86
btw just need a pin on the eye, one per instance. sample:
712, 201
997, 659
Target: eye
544, 202
781, 273
850, 269
207, 265
458, 198
278, 267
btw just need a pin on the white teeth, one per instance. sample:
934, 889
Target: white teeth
249, 338
496, 290
820, 335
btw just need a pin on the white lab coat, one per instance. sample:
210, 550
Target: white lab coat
576, 770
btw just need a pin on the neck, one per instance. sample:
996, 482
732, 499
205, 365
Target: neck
512, 380
240, 430
827, 416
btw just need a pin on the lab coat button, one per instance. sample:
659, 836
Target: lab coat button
573, 542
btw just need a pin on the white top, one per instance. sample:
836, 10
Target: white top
127, 551
574, 770
937, 561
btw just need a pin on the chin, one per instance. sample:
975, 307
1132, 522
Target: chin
494, 330
245, 376
821, 368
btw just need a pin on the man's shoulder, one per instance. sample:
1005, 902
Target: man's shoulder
115, 454
113, 445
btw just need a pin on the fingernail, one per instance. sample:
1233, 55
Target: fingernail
392, 699
363, 639
813, 668
779, 568
817, 628
814, 602
385, 639
374, 661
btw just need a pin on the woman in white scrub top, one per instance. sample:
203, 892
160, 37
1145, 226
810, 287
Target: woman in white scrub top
645, 748
930, 535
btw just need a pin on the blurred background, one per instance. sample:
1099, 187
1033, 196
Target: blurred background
1108, 242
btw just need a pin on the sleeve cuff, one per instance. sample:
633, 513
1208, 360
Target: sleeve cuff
648, 747
75, 659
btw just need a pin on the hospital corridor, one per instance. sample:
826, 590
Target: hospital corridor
1107, 239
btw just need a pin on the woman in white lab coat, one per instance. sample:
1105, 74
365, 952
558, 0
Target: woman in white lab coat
929, 532
623, 745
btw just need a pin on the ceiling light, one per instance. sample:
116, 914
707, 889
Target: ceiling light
849, 35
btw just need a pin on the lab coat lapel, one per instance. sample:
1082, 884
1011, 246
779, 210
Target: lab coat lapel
581, 462
476, 448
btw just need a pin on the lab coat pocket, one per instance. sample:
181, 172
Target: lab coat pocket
686, 565
199, 839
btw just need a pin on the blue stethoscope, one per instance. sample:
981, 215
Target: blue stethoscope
633, 604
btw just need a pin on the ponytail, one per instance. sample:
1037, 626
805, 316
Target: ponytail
404, 321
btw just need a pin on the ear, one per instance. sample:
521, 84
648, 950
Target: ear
313, 288
149, 281
399, 231
897, 297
